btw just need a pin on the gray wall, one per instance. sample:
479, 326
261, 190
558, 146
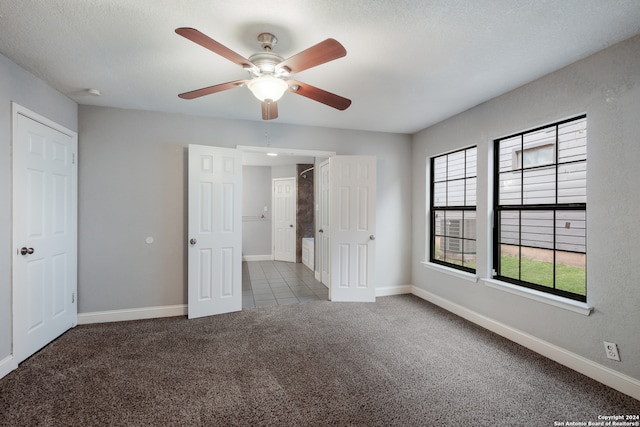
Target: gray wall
256, 194
607, 87
132, 175
23, 88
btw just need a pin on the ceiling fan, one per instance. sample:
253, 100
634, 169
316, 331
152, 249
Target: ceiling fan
269, 72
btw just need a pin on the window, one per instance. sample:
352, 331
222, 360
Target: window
453, 209
540, 209
534, 156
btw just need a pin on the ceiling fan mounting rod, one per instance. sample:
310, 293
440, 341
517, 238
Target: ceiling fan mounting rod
267, 41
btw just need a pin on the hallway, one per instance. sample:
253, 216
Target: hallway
269, 283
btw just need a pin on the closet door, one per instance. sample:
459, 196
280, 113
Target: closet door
284, 219
44, 231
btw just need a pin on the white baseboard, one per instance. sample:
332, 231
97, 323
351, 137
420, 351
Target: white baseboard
132, 314
257, 257
393, 290
614, 379
7, 365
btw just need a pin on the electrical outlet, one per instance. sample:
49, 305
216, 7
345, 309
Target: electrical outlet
612, 350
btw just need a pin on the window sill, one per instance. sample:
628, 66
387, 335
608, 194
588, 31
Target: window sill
470, 277
565, 303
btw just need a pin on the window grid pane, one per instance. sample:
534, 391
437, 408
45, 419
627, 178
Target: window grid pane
470, 193
455, 192
456, 165
539, 186
572, 183
440, 194
471, 160
510, 188
440, 169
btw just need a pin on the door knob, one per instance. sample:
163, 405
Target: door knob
321, 231
193, 241
291, 225
372, 237
25, 251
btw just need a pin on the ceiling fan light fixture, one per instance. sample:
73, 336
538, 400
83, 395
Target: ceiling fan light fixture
267, 88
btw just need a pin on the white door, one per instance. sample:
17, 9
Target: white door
352, 245
324, 233
215, 231
284, 219
44, 231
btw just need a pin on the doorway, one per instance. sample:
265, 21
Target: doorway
352, 216
258, 210
265, 280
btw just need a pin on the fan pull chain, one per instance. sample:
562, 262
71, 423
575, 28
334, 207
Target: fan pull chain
266, 133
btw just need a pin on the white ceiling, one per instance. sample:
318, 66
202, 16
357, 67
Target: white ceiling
409, 63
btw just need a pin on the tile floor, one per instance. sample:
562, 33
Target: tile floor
267, 283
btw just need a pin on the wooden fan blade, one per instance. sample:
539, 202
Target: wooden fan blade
269, 110
325, 51
212, 89
312, 92
215, 47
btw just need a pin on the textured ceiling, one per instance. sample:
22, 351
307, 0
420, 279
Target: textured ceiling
409, 63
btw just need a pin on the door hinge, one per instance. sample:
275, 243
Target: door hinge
73, 298
73, 158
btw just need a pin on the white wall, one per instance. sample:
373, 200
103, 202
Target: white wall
256, 194
132, 175
23, 88
605, 86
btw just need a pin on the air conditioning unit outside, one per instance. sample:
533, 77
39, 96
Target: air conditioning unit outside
453, 230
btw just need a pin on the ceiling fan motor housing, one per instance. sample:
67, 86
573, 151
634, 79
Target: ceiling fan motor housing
266, 63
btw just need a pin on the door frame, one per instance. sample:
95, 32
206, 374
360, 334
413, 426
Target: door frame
16, 111
292, 152
285, 151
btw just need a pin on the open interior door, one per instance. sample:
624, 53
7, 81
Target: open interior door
215, 231
352, 226
324, 232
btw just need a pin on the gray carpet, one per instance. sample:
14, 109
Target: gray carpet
399, 362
